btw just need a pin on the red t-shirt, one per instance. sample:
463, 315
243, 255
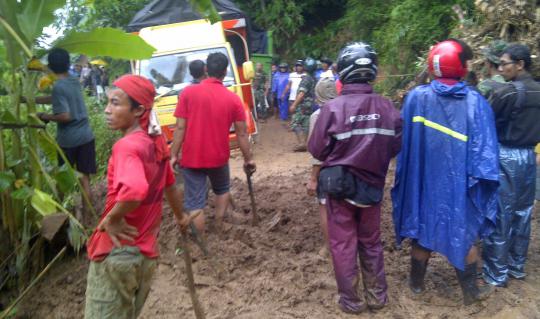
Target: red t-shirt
209, 109
134, 175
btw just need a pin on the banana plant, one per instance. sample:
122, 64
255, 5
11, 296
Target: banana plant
30, 181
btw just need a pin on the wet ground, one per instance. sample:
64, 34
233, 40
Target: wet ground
274, 270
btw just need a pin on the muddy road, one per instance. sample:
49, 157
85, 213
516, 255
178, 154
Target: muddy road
275, 270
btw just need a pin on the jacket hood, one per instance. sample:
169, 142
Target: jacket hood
458, 90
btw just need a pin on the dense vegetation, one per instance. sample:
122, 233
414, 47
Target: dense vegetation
401, 31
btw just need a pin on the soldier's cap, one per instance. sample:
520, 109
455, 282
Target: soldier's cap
299, 62
327, 61
283, 65
494, 51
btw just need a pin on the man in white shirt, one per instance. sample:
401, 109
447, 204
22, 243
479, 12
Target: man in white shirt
294, 81
326, 70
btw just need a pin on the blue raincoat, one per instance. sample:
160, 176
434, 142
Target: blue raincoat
447, 172
279, 83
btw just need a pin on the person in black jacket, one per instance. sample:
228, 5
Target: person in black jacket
517, 112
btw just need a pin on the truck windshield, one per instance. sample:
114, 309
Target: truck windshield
170, 73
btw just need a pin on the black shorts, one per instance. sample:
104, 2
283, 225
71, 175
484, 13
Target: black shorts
196, 185
82, 157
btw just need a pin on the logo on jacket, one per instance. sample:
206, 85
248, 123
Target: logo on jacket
365, 117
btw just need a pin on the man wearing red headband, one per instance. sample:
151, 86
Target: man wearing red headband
447, 172
124, 247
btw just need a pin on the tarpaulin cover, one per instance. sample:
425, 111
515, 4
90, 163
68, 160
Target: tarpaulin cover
447, 171
160, 12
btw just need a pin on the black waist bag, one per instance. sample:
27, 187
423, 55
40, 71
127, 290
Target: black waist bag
339, 183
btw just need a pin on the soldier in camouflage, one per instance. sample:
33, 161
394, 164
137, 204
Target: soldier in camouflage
303, 105
495, 80
260, 90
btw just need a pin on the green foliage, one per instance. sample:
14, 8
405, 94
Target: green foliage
43, 203
7, 178
104, 137
35, 15
207, 10
110, 42
113, 13
85, 15
413, 26
284, 18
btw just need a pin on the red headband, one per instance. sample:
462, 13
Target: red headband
143, 92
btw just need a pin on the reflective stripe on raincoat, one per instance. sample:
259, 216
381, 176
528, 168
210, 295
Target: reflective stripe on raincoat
447, 171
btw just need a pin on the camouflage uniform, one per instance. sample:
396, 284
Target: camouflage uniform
493, 54
300, 118
487, 87
259, 82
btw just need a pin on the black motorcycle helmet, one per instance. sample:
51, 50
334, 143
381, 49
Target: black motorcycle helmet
310, 65
357, 63
283, 65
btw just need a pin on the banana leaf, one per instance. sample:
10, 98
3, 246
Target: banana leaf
43, 203
6, 180
110, 42
35, 15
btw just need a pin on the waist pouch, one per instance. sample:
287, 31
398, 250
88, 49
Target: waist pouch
338, 183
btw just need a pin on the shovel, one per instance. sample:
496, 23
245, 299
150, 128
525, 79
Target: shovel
197, 307
255, 220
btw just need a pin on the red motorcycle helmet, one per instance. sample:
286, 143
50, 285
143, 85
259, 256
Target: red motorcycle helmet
448, 59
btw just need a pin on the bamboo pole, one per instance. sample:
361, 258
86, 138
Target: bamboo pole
6, 312
197, 308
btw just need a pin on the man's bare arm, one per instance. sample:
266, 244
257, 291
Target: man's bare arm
287, 88
44, 100
299, 99
59, 118
240, 129
115, 224
178, 139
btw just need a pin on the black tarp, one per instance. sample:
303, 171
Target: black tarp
159, 12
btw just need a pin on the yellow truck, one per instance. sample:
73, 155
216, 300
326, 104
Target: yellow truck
176, 46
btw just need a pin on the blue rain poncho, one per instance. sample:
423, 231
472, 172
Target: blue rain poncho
447, 171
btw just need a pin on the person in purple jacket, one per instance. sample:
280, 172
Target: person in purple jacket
355, 137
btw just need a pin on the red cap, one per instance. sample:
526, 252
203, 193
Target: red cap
444, 60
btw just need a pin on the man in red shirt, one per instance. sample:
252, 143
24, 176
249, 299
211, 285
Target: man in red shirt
205, 113
124, 247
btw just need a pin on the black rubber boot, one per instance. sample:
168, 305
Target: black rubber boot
471, 291
416, 278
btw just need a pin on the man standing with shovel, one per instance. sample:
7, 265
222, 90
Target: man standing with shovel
205, 112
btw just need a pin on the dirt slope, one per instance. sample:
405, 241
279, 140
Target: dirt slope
277, 273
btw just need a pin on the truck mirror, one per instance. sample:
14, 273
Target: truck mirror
249, 70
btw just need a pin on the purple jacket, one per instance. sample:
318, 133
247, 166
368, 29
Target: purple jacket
359, 129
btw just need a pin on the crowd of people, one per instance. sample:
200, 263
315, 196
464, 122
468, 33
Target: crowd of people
94, 77
464, 177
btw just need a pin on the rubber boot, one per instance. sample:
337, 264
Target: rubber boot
471, 291
418, 272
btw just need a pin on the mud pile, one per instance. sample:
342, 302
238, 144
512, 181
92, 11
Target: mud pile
509, 20
274, 270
